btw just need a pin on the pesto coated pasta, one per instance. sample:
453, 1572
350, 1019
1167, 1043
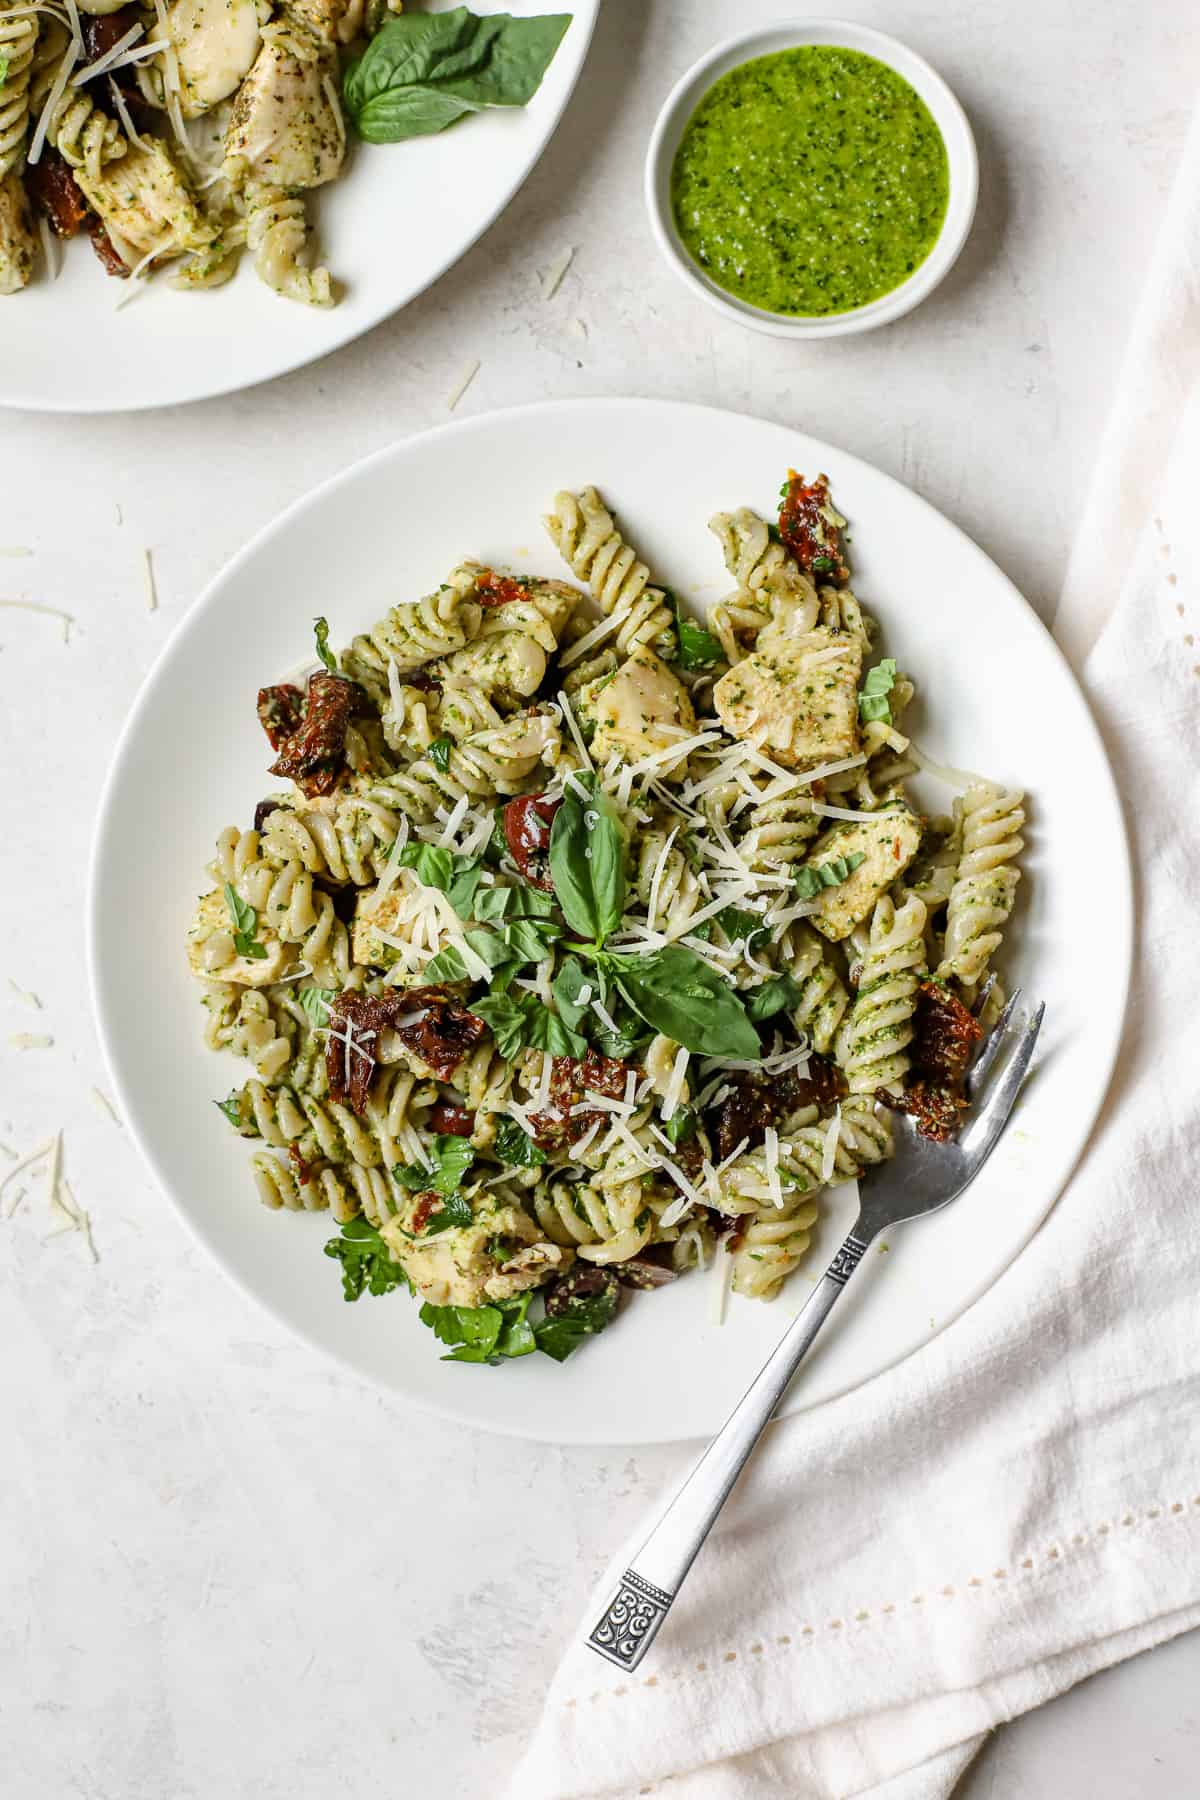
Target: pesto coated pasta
566, 959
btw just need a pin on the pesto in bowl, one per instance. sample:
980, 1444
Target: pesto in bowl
810, 182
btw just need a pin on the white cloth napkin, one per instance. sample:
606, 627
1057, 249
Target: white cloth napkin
1018, 1505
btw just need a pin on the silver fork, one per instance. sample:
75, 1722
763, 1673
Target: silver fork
922, 1178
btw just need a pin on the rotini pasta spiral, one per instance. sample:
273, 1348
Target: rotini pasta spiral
605, 1225
287, 903
986, 880
677, 895
873, 1049
414, 633
498, 761
770, 583
18, 36
779, 831
588, 540
823, 997
244, 1021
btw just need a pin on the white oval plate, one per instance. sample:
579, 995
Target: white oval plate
997, 697
394, 223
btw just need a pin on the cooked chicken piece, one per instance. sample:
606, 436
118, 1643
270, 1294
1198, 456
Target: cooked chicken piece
213, 955
216, 42
640, 709
145, 204
887, 842
286, 130
795, 696
501, 1253
18, 246
515, 639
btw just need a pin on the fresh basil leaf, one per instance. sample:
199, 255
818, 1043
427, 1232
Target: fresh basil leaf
505, 1019
873, 700
823, 565
423, 71
530, 940
525, 1023
452, 1157
232, 1108
582, 1319
439, 753
680, 1128
496, 905
496, 847
738, 922
568, 984
544, 1030
456, 876
812, 877
316, 1002
454, 1210
780, 994
515, 1147
447, 965
687, 1001
698, 648
245, 925
321, 633
587, 859
367, 1265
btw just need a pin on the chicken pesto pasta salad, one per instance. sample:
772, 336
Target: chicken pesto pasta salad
584, 944
184, 131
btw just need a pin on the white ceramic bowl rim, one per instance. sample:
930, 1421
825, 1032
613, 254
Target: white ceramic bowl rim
785, 34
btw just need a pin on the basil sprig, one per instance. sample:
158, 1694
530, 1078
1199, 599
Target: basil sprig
587, 859
367, 1266
456, 876
687, 1001
439, 753
779, 994
524, 1022
317, 1002
245, 925
424, 71
515, 1148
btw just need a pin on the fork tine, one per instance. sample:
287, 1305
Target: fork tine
991, 1047
984, 994
992, 1116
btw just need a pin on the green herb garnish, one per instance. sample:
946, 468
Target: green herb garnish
873, 700
245, 925
317, 1002
812, 877
425, 71
515, 1147
321, 633
439, 753
452, 1158
587, 859
698, 648
780, 994
367, 1266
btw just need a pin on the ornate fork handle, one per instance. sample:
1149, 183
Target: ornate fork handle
644, 1593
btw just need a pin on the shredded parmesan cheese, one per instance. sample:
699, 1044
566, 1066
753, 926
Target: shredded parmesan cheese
105, 1105
30, 1040
553, 276
25, 995
51, 612
470, 371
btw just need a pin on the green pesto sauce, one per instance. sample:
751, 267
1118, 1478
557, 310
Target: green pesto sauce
811, 181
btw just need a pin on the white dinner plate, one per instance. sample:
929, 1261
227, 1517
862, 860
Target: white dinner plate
996, 697
387, 229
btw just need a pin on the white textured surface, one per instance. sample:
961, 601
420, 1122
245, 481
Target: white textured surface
226, 1569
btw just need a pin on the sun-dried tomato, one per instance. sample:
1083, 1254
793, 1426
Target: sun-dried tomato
449, 1120
944, 1035
570, 1081
527, 823
314, 755
808, 534
427, 1021
423, 1211
497, 590
280, 711
52, 187
756, 1101
936, 1110
304, 1169
107, 253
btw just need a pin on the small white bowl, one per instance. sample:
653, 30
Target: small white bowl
948, 115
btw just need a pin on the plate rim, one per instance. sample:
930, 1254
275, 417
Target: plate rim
1122, 923
309, 359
